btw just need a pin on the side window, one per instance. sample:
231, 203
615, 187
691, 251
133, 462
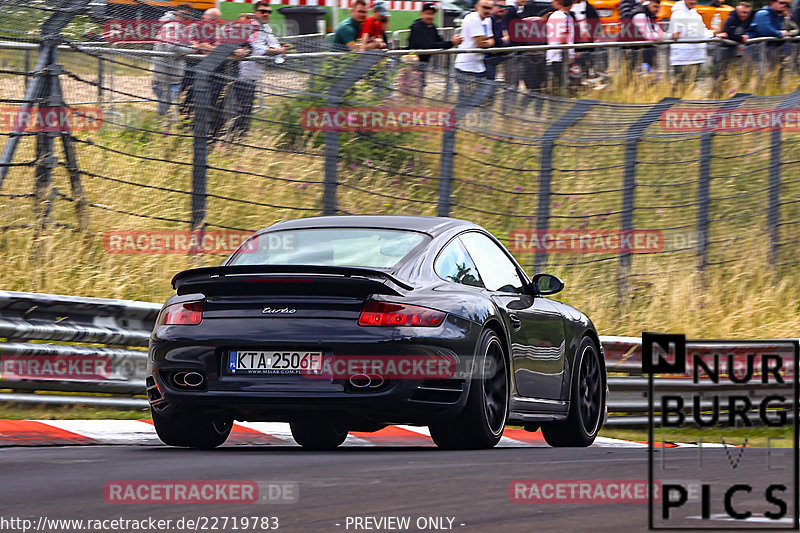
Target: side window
495, 268
455, 264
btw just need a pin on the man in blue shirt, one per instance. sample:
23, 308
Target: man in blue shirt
768, 22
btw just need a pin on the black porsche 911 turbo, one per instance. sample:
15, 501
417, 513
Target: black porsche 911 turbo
351, 323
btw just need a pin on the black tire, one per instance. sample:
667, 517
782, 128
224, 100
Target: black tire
192, 429
318, 434
587, 402
480, 424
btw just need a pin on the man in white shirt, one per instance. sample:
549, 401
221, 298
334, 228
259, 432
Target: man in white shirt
560, 30
687, 58
476, 32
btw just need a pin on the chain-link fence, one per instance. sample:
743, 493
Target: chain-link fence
610, 194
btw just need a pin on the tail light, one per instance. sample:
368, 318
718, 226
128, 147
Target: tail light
184, 314
393, 314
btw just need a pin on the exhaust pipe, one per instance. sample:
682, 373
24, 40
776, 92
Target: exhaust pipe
193, 379
360, 380
375, 381
188, 379
364, 381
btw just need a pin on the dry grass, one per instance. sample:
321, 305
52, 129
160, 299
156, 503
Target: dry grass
740, 297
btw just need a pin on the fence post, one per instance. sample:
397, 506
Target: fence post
704, 184
791, 101
483, 89
363, 63
100, 80
564, 122
632, 137
204, 70
50, 38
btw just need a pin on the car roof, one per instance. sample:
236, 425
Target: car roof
433, 226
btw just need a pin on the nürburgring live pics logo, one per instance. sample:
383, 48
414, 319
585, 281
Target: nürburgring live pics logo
717, 387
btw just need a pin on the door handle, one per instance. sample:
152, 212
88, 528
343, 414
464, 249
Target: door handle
516, 323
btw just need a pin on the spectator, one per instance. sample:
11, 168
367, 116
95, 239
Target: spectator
262, 43
646, 28
476, 32
204, 40
246, 17
169, 71
348, 32
587, 29
560, 30
425, 36
374, 29
528, 67
734, 29
795, 19
686, 58
501, 38
768, 22
587, 22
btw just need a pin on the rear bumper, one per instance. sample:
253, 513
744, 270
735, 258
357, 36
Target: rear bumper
286, 397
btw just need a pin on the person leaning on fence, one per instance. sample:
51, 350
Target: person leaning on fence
734, 29
528, 67
500, 34
768, 22
373, 31
425, 36
262, 42
645, 27
205, 38
560, 30
476, 32
587, 30
687, 58
349, 30
169, 71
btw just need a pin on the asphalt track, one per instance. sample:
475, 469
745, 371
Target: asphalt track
470, 486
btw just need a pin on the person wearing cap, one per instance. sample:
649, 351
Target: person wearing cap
374, 29
425, 36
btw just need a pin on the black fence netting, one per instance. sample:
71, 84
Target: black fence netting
179, 121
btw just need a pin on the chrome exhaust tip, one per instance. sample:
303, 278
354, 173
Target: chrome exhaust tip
360, 381
375, 381
193, 379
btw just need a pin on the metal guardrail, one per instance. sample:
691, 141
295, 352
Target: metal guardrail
69, 323
73, 327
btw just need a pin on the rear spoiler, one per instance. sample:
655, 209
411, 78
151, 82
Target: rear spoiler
255, 279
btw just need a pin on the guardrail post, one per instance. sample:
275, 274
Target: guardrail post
632, 136
792, 100
364, 62
567, 120
704, 184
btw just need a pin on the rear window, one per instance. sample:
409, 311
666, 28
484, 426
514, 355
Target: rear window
356, 247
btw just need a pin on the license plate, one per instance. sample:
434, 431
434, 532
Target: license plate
273, 362
604, 12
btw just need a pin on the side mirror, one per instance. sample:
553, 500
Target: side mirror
546, 284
